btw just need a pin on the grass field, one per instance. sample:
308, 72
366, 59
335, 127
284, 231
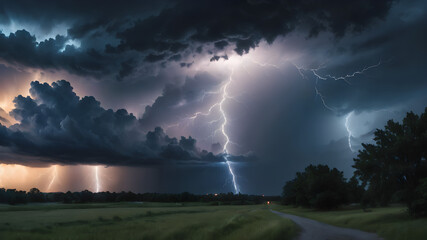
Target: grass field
391, 223
142, 221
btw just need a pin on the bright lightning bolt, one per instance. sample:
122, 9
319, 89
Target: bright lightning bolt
197, 114
354, 73
220, 106
54, 175
227, 139
345, 78
346, 124
96, 168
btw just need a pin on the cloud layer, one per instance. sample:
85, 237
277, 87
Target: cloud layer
113, 40
56, 126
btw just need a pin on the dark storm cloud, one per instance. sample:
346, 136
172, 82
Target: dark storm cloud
221, 44
245, 23
217, 58
85, 21
155, 57
58, 127
22, 48
110, 33
86, 15
184, 64
180, 100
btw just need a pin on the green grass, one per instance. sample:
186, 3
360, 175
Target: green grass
142, 221
391, 223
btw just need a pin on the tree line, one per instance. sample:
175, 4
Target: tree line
12, 196
393, 169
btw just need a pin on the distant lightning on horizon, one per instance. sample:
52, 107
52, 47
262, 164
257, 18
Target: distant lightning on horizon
54, 176
97, 183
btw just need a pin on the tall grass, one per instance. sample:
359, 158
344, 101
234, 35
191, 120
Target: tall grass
133, 221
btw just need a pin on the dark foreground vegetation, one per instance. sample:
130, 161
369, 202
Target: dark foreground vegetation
12, 196
391, 170
322, 188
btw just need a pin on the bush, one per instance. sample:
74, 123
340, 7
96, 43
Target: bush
418, 208
318, 187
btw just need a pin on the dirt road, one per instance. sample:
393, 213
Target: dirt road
314, 230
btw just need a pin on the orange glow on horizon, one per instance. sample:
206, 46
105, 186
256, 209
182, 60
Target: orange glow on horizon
48, 179
20, 177
75, 178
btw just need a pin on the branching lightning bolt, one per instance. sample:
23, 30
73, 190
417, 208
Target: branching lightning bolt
322, 98
220, 105
342, 78
227, 139
345, 78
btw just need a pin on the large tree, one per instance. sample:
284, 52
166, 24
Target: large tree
318, 187
394, 165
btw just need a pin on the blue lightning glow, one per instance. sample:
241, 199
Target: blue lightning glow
346, 124
70, 42
345, 78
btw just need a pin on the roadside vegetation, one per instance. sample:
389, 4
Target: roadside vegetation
141, 221
390, 223
393, 169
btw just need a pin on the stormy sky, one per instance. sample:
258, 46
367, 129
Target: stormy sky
173, 96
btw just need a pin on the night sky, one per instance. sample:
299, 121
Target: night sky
173, 96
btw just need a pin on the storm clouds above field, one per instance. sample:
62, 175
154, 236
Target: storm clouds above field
174, 85
58, 127
119, 38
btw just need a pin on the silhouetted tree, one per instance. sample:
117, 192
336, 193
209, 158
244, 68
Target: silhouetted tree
419, 206
15, 197
355, 190
289, 196
393, 166
318, 186
34, 195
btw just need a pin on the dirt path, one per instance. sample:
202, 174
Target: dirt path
311, 229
